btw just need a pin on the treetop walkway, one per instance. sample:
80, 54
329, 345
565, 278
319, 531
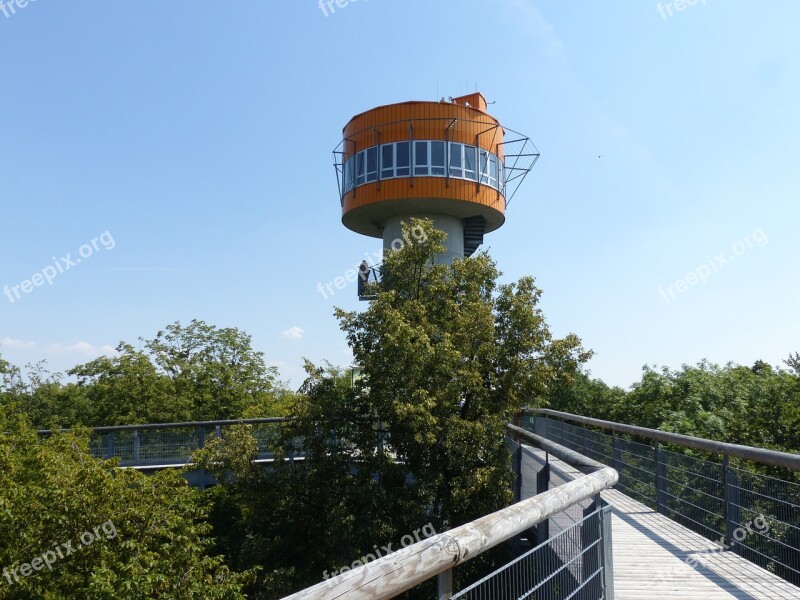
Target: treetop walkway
602, 510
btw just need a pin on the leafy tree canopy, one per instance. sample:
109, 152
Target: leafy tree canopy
447, 355
75, 527
185, 373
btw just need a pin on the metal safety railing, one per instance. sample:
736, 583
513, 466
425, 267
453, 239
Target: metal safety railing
556, 568
171, 444
571, 555
574, 563
721, 491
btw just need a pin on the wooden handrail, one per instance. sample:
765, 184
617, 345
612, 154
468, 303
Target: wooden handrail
394, 574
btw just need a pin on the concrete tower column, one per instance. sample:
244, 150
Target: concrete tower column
452, 226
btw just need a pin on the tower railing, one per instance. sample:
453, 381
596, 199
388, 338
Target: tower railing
738, 496
517, 153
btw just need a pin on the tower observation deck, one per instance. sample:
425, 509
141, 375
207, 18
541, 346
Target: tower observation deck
449, 161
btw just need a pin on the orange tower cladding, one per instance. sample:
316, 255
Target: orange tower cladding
448, 161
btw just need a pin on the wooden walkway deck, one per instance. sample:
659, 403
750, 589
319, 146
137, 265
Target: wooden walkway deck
652, 556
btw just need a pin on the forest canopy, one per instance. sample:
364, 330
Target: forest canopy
446, 354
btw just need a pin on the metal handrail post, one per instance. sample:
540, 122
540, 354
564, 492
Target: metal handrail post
661, 480
444, 583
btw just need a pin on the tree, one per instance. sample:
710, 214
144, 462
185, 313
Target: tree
191, 373
128, 389
448, 356
215, 370
589, 397
10, 381
756, 406
793, 362
39, 394
75, 527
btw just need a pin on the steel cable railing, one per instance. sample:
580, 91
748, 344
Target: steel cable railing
555, 569
722, 496
540, 574
575, 560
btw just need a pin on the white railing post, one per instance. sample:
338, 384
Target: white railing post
137, 447
607, 556
445, 584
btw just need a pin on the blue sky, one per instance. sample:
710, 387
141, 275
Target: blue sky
197, 136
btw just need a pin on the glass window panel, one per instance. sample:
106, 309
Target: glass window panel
387, 161
484, 166
456, 160
372, 164
492, 170
420, 158
501, 176
437, 158
470, 161
402, 159
360, 164
402, 154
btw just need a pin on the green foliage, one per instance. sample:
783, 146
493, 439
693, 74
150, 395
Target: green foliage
447, 357
185, 373
586, 396
793, 362
756, 406
147, 536
213, 371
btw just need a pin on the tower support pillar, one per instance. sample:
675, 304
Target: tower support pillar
452, 226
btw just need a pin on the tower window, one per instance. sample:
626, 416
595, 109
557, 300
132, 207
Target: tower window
430, 159
387, 161
361, 177
402, 160
437, 159
470, 163
456, 160
420, 158
372, 164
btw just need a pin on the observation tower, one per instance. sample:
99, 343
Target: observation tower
449, 161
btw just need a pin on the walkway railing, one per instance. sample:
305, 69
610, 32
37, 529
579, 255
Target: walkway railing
558, 567
170, 444
716, 489
575, 563
530, 575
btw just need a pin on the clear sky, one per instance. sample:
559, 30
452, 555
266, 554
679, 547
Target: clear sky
191, 140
